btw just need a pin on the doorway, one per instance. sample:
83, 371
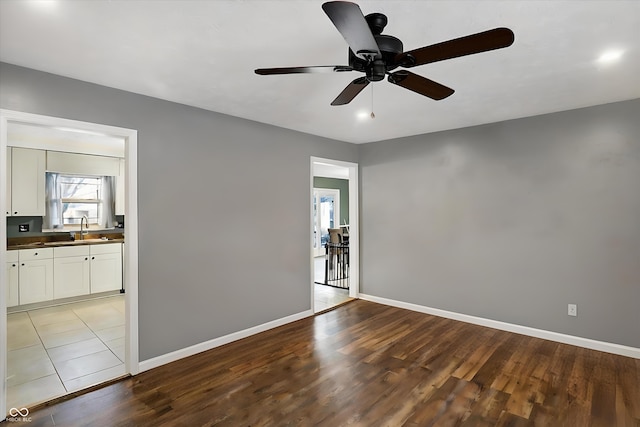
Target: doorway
326, 215
334, 254
126, 303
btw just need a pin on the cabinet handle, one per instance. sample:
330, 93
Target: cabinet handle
93, 257
23, 264
13, 265
15, 213
36, 254
86, 259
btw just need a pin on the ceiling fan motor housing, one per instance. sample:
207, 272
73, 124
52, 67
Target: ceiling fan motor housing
389, 47
376, 22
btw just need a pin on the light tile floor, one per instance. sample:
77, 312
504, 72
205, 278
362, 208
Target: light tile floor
57, 350
326, 296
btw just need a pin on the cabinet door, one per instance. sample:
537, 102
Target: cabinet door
106, 272
12, 284
8, 181
27, 182
35, 279
71, 276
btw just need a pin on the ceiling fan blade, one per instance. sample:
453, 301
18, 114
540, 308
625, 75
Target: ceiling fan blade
300, 70
421, 85
350, 22
468, 45
351, 91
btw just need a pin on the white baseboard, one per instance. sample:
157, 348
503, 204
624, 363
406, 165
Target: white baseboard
621, 350
145, 365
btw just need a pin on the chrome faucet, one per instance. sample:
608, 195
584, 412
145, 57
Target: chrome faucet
82, 232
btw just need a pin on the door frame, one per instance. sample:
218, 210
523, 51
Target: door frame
354, 225
336, 209
130, 266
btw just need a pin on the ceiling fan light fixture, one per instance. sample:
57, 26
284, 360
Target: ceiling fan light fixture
610, 56
44, 4
363, 115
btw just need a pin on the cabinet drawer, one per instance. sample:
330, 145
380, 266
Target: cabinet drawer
32, 254
67, 251
12, 256
106, 248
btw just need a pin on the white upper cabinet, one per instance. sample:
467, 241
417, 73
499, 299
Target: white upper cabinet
8, 181
26, 169
27, 182
82, 164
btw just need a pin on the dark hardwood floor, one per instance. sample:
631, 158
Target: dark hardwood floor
366, 364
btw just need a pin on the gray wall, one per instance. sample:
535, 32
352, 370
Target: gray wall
512, 221
508, 221
343, 186
214, 192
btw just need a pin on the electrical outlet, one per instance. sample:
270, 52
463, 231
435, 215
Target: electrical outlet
572, 310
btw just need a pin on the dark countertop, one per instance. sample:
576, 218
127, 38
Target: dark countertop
37, 245
63, 240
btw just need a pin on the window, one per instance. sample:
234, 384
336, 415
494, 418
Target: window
69, 198
81, 196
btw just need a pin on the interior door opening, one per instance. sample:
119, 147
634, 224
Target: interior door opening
334, 233
72, 339
326, 216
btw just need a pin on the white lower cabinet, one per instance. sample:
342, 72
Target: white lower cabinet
35, 275
12, 279
71, 271
106, 267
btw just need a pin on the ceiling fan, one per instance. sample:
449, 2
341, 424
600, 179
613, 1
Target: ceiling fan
377, 54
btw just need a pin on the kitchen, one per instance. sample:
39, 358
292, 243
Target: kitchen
65, 293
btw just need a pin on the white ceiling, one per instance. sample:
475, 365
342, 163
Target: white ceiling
203, 53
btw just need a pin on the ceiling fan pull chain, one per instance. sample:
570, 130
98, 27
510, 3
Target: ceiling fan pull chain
373, 116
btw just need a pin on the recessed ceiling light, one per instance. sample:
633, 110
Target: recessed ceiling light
610, 56
44, 4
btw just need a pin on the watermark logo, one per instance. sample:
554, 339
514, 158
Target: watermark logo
19, 415
14, 412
